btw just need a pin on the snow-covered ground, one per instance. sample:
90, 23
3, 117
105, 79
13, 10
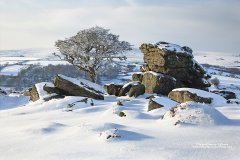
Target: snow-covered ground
46, 130
219, 59
50, 131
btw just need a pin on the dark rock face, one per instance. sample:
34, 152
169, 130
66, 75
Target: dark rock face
158, 83
184, 96
53, 97
153, 105
76, 90
50, 89
175, 61
113, 89
136, 90
225, 94
126, 88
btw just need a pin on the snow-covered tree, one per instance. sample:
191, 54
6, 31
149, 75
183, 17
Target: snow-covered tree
91, 48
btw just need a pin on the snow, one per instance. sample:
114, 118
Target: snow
172, 47
46, 131
84, 83
7, 102
219, 59
41, 93
49, 131
130, 83
191, 113
217, 100
166, 102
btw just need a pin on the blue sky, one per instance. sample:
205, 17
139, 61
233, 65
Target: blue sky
206, 25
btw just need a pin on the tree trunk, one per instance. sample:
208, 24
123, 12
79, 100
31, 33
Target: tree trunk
92, 75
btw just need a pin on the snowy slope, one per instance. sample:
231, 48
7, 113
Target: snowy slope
44, 130
50, 131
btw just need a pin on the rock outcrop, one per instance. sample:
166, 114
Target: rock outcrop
64, 86
78, 87
167, 66
175, 61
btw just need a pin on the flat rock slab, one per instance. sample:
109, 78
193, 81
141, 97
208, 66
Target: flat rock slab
185, 96
78, 87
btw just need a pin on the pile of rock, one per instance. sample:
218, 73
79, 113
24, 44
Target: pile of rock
64, 86
167, 66
133, 89
175, 61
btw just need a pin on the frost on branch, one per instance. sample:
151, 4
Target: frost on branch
91, 48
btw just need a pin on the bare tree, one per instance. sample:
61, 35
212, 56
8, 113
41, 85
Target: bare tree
91, 48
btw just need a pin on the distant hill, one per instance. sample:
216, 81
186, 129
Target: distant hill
33, 52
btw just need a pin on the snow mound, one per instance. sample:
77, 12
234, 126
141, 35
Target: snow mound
217, 100
191, 113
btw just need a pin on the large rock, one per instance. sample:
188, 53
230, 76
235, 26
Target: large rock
136, 90
176, 61
126, 88
158, 83
161, 55
182, 96
113, 89
78, 87
37, 92
52, 89
153, 105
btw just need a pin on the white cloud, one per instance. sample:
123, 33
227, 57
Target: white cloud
202, 27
